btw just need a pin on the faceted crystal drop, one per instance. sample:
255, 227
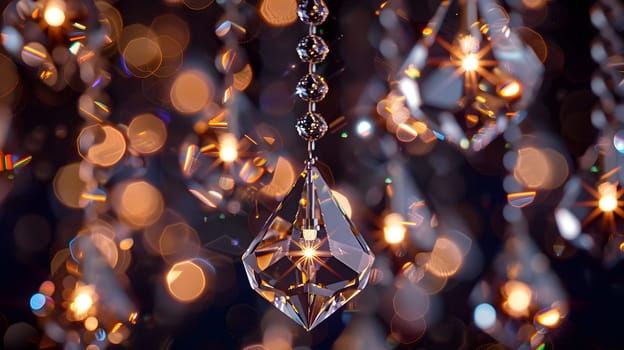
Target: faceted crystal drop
468, 85
309, 259
311, 88
312, 48
311, 126
312, 12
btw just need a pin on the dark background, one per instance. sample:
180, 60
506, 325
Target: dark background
562, 110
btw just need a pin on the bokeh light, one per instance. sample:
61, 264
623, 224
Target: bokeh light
484, 316
278, 13
394, 230
147, 133
186, 281
54, 13
190, 92
137, 203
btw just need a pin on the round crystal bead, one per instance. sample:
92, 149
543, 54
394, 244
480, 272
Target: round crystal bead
312, 49
311, 126
311, 88
312, 11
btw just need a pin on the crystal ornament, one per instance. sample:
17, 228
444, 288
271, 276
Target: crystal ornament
312, 12
606, 48
467, 86
311, 126
309, 259
312, 49
311, 88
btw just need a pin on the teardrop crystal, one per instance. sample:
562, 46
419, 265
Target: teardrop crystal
309, 259
469, 85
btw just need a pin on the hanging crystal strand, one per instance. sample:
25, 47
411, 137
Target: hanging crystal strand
311, 88
309, 259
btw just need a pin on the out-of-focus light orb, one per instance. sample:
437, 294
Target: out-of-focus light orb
607, 201
364, 128
278, 13
91, 323
484, 316
54, 14
618, 141
394, 230
69, 186
470, 63
550, 317
343, 203
518, 297
540, 168
186, 281
242, 78
37, 301
126, 244
82, 302
147, 133
445, 259
228, 148
47, 288
138, 203
190, 92
569, 225
282, 181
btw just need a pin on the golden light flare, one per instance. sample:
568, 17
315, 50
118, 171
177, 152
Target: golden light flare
470, 62
228, 148
186, 281
518, 297
83, 300
54, 13
468, 57
607, 201
394, 230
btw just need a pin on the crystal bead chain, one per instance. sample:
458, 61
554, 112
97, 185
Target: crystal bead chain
311, 88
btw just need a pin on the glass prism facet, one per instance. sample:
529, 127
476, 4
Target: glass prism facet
309, 259
469, 75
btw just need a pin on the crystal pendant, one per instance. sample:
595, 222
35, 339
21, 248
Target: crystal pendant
311, 126
519, 293
309, 259
312, 48
311, 88
312, 12
467, 86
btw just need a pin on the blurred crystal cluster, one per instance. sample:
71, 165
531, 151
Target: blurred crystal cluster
476, 145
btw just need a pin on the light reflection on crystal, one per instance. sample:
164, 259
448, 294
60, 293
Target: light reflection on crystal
469, 86
309, 259
521, 199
